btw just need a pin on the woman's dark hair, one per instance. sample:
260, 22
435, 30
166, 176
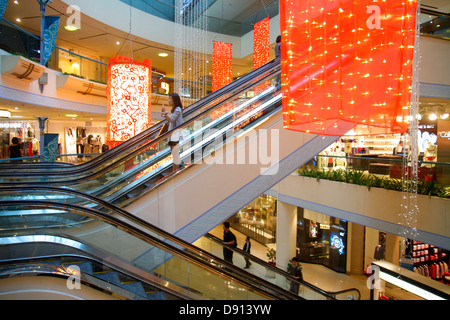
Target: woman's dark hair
278, 39
176, 102
15, 140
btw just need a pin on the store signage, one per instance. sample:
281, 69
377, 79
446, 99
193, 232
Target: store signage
7, 125
445, 134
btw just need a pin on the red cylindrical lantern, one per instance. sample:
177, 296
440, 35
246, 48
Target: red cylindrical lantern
222, 67
261, 43
347, 65
129, 98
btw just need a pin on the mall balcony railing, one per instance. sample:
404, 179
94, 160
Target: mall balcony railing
386, 171
18, 41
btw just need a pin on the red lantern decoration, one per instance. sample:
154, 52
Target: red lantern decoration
222, 67
347, 65
129, 98
261, 43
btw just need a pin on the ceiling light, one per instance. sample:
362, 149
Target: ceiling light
72, 115
70, 28
18, 20
16, 2
163, 54
444, 116
5, 114
432, 116
117, 42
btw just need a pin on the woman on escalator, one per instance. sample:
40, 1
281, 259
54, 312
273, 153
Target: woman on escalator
175, 119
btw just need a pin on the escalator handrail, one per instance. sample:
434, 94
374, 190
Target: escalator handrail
243, 276
238, 84
278, 270
132, 154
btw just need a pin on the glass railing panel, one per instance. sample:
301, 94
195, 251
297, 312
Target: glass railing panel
134, 248
384, 171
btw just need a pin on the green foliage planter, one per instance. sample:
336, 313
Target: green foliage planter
359, 177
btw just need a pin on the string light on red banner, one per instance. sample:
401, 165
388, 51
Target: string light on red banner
347, 65
261, 43
129, 98
222, 67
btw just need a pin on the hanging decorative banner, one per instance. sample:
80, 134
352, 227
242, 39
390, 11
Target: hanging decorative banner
261, 47
129, 98
51, 25
222, 67
347, 65
3, 4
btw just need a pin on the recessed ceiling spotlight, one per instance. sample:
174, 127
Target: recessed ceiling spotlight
72, 115
163, 54
117, 42
16, 2
70, 28
18, 20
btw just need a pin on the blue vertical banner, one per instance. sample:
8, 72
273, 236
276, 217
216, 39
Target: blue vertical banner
3, 4
50, 146
51, 25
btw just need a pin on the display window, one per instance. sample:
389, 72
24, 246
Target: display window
24, 132
321, 239
258, 219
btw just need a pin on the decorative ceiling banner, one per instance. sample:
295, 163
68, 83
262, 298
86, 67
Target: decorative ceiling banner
129, 98
3, 5
222, 68
51, 25
347, 65
261, 49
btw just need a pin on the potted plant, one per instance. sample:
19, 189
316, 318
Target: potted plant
271, 255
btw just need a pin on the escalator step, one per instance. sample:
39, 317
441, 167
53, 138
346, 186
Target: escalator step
135, 287
109, 276
156, 295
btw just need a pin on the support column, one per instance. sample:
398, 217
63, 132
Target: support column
286, 233
357, 249
392, 253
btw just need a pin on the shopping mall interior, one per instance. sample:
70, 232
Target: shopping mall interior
92, 210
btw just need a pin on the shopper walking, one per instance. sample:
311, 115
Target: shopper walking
296, 273
246, 248
175, 119
229, 240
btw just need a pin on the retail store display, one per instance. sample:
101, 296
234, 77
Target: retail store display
429, 261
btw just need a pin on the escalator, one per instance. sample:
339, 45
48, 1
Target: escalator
50, 220
233, 150
112, 251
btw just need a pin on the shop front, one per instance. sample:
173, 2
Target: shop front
321, 239
26, 131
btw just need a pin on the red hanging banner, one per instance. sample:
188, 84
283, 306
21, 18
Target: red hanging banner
222, 67
347, 65
129, 98
261, 43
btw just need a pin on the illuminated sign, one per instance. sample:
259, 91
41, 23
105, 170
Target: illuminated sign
337, 243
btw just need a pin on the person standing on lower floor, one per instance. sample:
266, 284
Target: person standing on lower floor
246, 249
